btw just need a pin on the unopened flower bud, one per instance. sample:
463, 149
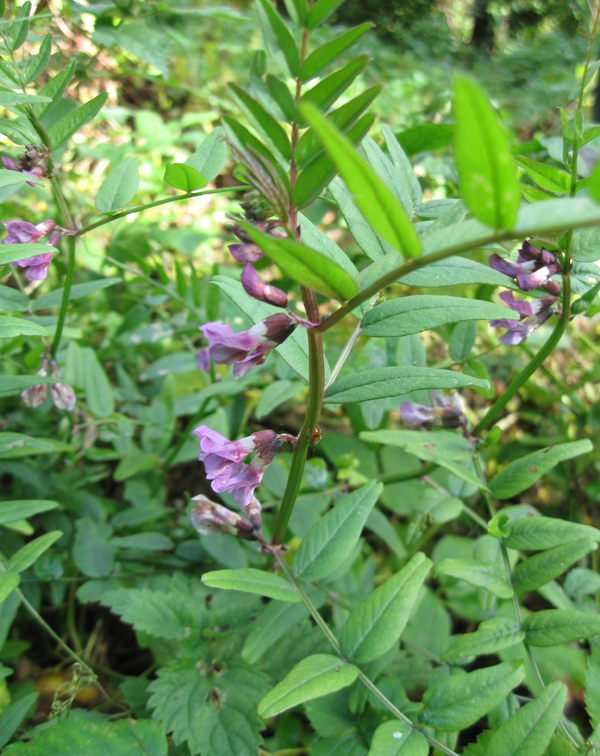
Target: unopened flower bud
254, 286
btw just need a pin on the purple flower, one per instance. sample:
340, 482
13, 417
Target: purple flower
534, 267
512, 270
524, 307
22, 232
203, 360
519, 331
246, 253
539, 277
208, 518
36, 171
254, 286
446, 412
529, 252
249, 348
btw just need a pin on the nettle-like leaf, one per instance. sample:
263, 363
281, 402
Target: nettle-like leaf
212, 707
313, 677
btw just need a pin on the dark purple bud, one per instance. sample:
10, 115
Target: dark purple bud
278, 327
552, 287
255, 287
54, 238
246, 253
10, 164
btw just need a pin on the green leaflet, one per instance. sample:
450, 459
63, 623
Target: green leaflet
459, 701
305, 265
375, 201
210, 157
10, 511
542, 568
368, 241
523, 472
528, 732
327, 53
551, 627
536, 533
334, 536
118, 187
10, 178
13, 252
8, 582
394, 381
273, 622
313, 677
326, 92
184, 177
487, 176
592, 686
396, 738
11, 327
321, 11
546, 176
486, 575
421, 312
73, 121
98, 392
377, 623
250, 580
298, 10
490, 637
274, 395
264, 122
277, 36
10, 721
31, 552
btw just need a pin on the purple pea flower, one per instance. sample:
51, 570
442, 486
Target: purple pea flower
249, 348
246, 253
519, 331
203, 360
22, 232
208, 518
446, 412
254, 286
524, 307
37, 171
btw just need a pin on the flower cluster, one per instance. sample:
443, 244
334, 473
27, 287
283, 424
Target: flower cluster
446, 412
62, 394
229, 474
22, 232
534, 267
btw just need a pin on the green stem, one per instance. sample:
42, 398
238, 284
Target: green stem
64, 305
156, 203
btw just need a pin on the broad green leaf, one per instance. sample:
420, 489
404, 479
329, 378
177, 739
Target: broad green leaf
36, 64
211, 156
487, 176
54, 298
421, 312
552, 627
12, 718
592, 686
326, 92
459, 701
541, 568
18, 28
332, 539
19, 509
490, 637
394, 381
277, 36
313, 677
522, 473
327, 53
73, 121
184, 177
93, 553
75, 736
304, 265
250, 580
274, 395
98, 391
317, 174
263, 122
10, 178
274, 621
547, 176
32, 551
282, 97
378, 621
210, 707
11, 327
13, 252
536, 533
8, 582
486, 575
375, 201
118, 187
321, 11
528, 732
462, 340
396, 738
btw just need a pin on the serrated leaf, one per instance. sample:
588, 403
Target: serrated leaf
250, 580
19, 509
486, 575
118, 187
75, 736
331, 540
397, 738
262, 121
327, 53
375, 201
395, 381
304, 265
522, 473
592, 686
212, 708
98, 392
540, 569
277, 36
546, 176
490, 637
487, 176
11, 327
313, 677
184, 177
460, 700
31, 552
73, 121
421, 312
8, 582
378, 621
530, 729
552, 627
536, 533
